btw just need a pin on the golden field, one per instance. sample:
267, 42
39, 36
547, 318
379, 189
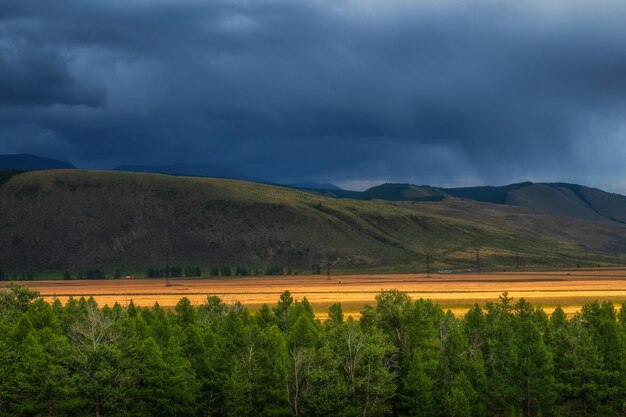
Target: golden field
569, 289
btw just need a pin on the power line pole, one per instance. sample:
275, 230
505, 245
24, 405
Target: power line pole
478, 260
327, 268
427, 265
167, 268
167, 234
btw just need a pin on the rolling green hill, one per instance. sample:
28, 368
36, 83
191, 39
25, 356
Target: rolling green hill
72, 220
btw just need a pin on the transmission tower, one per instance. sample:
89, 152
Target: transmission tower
168, 241
478, 260
167, 268
327, 268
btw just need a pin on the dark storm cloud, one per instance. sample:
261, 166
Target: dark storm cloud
30, 76
445, 92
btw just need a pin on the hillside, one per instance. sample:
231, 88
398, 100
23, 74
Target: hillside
70, 220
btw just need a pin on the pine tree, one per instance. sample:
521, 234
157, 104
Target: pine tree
457, 402
534, 369
185, 311
500, 353
150, 393
265, 316
335, 314
582, 381
180, 380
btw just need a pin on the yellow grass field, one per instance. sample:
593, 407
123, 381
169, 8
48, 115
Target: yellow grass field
457, 292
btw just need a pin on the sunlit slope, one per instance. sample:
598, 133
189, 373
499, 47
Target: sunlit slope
68, 220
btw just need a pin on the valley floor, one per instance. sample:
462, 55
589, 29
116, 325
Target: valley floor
569, 289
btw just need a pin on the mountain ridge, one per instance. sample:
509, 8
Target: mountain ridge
564, 199
29, 162
195, 170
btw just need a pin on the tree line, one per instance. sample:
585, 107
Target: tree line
162, 272
24, 276
174, 272
244, 271
403, 357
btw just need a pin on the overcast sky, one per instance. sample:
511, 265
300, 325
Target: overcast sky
355, 92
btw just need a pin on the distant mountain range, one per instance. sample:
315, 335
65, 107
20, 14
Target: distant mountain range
570, 200
28, 162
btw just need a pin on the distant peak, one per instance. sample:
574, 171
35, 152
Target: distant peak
29, 162
315, 186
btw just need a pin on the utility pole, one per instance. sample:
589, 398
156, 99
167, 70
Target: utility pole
168, 242
427, 265
167, 268
328, 268
478, 260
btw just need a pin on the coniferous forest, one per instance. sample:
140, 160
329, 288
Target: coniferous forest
403, 357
